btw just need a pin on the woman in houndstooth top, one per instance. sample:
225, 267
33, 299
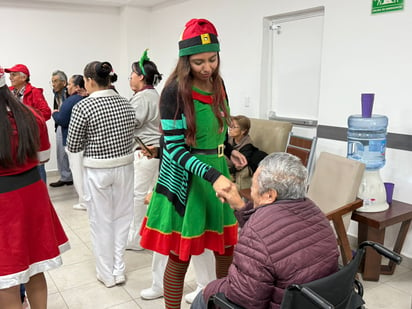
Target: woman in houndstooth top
102, 126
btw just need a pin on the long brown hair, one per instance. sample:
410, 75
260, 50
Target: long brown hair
27, 130
183, 75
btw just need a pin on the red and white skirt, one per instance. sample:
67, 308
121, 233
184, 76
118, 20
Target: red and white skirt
31, 235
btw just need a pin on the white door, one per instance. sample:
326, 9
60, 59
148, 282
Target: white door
295, 69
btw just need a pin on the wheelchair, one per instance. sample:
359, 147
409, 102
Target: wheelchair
340, 290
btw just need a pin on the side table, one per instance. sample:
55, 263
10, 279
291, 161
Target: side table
371, 226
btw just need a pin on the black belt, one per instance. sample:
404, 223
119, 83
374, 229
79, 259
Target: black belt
13, 182
219, 151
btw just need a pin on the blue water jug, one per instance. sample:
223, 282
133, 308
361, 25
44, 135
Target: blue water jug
367, 140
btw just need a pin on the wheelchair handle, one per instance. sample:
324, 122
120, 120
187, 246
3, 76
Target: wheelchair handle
314, 297
393, 256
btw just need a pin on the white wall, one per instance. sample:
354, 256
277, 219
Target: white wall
67, 38
361, 53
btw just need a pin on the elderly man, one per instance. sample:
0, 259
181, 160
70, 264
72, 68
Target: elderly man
25, 92
285, 238
31, 96
59, 84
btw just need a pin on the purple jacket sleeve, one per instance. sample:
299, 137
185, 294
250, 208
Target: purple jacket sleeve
250, 278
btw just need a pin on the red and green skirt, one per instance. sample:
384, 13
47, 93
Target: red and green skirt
207, 223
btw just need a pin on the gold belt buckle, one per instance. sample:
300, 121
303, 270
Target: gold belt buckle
220, 150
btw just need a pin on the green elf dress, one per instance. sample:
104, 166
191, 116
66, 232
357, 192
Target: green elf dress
184, 214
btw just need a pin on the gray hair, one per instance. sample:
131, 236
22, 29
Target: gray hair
62, 76
284, 173
26, 76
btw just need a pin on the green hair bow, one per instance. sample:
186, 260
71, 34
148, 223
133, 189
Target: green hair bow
143, 58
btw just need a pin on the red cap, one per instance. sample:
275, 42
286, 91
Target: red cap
19, 68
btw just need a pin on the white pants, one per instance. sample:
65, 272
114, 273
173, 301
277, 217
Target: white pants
110, 212
76, 166
204, 266
146, 172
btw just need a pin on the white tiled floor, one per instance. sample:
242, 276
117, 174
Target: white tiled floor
74, 285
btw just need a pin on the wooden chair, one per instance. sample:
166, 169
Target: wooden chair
333, 187
304, 148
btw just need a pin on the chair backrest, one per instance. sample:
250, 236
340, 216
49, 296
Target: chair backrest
304, 148
334, 186
335, 181
269, 135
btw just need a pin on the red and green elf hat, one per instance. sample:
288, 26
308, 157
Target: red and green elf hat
198, 37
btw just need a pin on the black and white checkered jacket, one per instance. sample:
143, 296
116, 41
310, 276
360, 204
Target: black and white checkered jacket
102, 125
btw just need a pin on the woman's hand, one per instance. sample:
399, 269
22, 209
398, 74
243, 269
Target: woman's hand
238, 159
154, 152
232, 197
147, 198
222, 184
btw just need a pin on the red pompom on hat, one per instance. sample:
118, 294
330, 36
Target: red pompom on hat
19, 68
199, 36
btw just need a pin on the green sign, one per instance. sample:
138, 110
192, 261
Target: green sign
382, 6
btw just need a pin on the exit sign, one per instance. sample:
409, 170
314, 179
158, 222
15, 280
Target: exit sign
382, 6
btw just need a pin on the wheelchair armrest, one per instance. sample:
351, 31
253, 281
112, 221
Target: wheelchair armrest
220, 301
311, 295
382, 250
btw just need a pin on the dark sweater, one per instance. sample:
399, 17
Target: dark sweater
62, 117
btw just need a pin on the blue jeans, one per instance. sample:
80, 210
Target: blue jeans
199, 302
22, 292
42, 172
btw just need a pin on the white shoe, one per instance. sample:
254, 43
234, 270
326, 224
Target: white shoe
191, 296
107, 284
79, 207
134, 248
151, 293
120, 279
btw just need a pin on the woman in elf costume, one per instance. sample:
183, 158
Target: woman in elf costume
184, 216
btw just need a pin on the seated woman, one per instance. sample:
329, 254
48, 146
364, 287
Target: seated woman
240, 140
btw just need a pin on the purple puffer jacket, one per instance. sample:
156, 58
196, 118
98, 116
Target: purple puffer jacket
282, 243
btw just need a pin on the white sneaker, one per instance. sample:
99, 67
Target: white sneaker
120, 279
107, 284
79, 207
134, 248
191, 296
151, 293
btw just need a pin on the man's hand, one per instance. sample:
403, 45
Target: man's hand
238, 159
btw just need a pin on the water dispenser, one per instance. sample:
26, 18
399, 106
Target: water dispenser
367, 144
